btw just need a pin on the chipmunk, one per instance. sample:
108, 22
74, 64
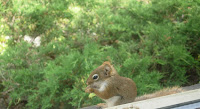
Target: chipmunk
107, 84
114, 89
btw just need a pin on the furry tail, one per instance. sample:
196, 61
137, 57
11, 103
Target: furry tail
163, 92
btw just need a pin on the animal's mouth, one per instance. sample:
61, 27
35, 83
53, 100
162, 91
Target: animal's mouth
94, 86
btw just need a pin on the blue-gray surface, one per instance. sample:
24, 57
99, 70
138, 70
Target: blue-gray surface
189, 106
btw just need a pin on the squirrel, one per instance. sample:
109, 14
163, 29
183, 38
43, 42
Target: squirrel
114, 89
107, 84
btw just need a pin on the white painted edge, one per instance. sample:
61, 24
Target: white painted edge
162, 102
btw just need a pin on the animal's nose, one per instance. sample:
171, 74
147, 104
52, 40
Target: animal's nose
88, 82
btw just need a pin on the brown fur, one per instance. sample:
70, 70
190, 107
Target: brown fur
116, 85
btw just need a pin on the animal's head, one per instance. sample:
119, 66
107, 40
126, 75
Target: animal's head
101, 73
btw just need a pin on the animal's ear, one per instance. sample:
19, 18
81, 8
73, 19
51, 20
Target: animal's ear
107, 69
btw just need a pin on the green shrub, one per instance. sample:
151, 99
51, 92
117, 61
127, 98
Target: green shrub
156, 44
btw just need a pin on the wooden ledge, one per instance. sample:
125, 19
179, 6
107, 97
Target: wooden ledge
164, 102
191, 95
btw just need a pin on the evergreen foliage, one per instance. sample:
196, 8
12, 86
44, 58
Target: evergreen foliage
154, 42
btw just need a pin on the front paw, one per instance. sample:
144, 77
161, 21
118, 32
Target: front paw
88, 89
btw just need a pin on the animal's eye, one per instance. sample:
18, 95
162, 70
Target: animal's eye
95, 77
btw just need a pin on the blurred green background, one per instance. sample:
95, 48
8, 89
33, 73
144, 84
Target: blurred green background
49, 47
